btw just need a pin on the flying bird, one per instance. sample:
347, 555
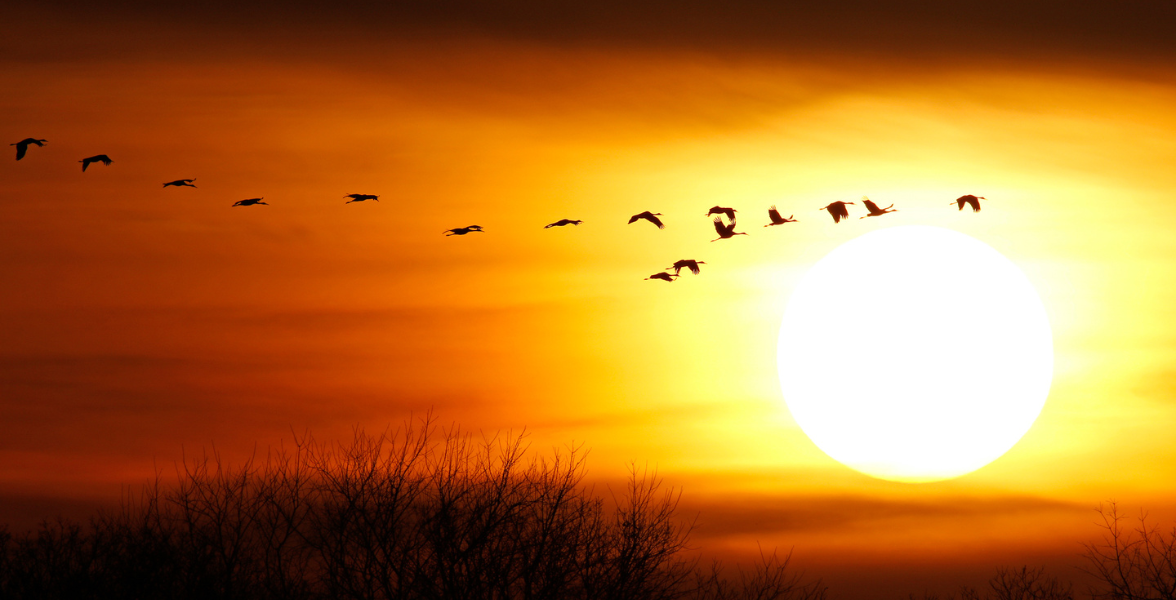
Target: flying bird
874, 210
181, 183
23, 146
686, 264
562, 222
970, 200
774, 215
102, 158
725, 230
662, 276
652, 217
250, 202
463, 230
361, 198
722, 210
837, 210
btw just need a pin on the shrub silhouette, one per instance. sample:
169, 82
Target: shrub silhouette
1026, 583
418, 514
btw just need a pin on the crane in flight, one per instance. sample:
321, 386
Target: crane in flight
874, 210
102, 158
23, 146
774, 215
970, 200
361, 198
250, 202
722, 210
837, 210
725, 230
181, 183
463, 230
686, 264
652, 217
662, 276
562, 222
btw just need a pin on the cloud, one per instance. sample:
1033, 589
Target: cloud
808, 513
930, 31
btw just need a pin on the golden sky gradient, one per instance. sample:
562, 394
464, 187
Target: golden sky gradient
138, 322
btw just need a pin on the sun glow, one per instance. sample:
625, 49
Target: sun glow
915, 353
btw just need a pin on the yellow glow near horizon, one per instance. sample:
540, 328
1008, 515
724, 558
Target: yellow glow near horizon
915, 353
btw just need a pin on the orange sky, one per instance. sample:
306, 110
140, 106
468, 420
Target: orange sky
138, 321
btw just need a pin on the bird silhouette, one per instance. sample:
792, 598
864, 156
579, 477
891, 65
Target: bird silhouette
652, 217
463, 230
722, 210
837, 210
686, 264
662, 276
361, 198
250, 202
181, 183
23, 146
970, 200
725, 230
102, 158
562, 222
874, 210
774, 215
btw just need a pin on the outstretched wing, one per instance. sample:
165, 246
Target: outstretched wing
693, 267
721, 228
774, 215
21, 148
86, 163
633, 219
835, 211
870, 206
656, 221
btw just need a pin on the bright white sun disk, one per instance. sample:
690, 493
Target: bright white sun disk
915, 353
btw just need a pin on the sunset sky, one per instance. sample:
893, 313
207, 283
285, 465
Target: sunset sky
138, 323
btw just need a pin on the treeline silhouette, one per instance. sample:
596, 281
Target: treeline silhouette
434, 514
1128, 563
424, 513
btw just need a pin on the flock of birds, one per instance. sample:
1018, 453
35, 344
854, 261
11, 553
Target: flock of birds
724, 222
724, 217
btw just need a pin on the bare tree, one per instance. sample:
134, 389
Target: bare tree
407, 514
1132, 564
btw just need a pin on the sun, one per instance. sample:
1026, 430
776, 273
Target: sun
915, 353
